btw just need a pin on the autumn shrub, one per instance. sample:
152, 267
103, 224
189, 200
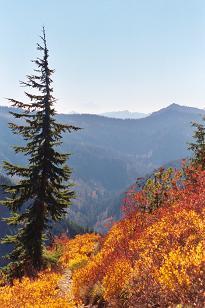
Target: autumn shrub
43, 292
153, 259
148, 259
76, 252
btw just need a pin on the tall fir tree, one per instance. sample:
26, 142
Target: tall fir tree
43, 192
198, 145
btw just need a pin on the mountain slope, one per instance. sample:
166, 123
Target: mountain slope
109, 154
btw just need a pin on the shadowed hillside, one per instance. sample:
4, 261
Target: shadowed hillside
108, 154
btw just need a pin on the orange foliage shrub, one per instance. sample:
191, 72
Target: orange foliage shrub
76, 252
153, 259
45, 291
42, 292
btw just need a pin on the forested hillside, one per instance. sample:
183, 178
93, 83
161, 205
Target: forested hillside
107, 155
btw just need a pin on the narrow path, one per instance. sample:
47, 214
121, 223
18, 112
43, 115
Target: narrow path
64, 285
65, 282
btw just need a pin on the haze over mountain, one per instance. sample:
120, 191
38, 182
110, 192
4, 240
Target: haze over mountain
109, 154
124, 114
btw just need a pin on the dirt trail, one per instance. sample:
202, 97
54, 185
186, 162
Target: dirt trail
64, 285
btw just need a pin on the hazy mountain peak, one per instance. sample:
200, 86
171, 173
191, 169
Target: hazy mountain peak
174, 106
178, 108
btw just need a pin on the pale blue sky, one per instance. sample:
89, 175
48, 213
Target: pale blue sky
109, 55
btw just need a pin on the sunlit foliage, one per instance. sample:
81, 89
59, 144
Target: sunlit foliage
41, 292
153, 258
77, 251
148, 259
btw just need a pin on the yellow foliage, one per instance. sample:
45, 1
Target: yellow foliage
42, 292
174, 271
116, 279
77, 251
146, 251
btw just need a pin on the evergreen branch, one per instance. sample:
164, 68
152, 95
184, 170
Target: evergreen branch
15, 169
18, 104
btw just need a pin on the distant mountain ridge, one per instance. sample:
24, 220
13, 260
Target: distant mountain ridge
124, 114
108, 154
